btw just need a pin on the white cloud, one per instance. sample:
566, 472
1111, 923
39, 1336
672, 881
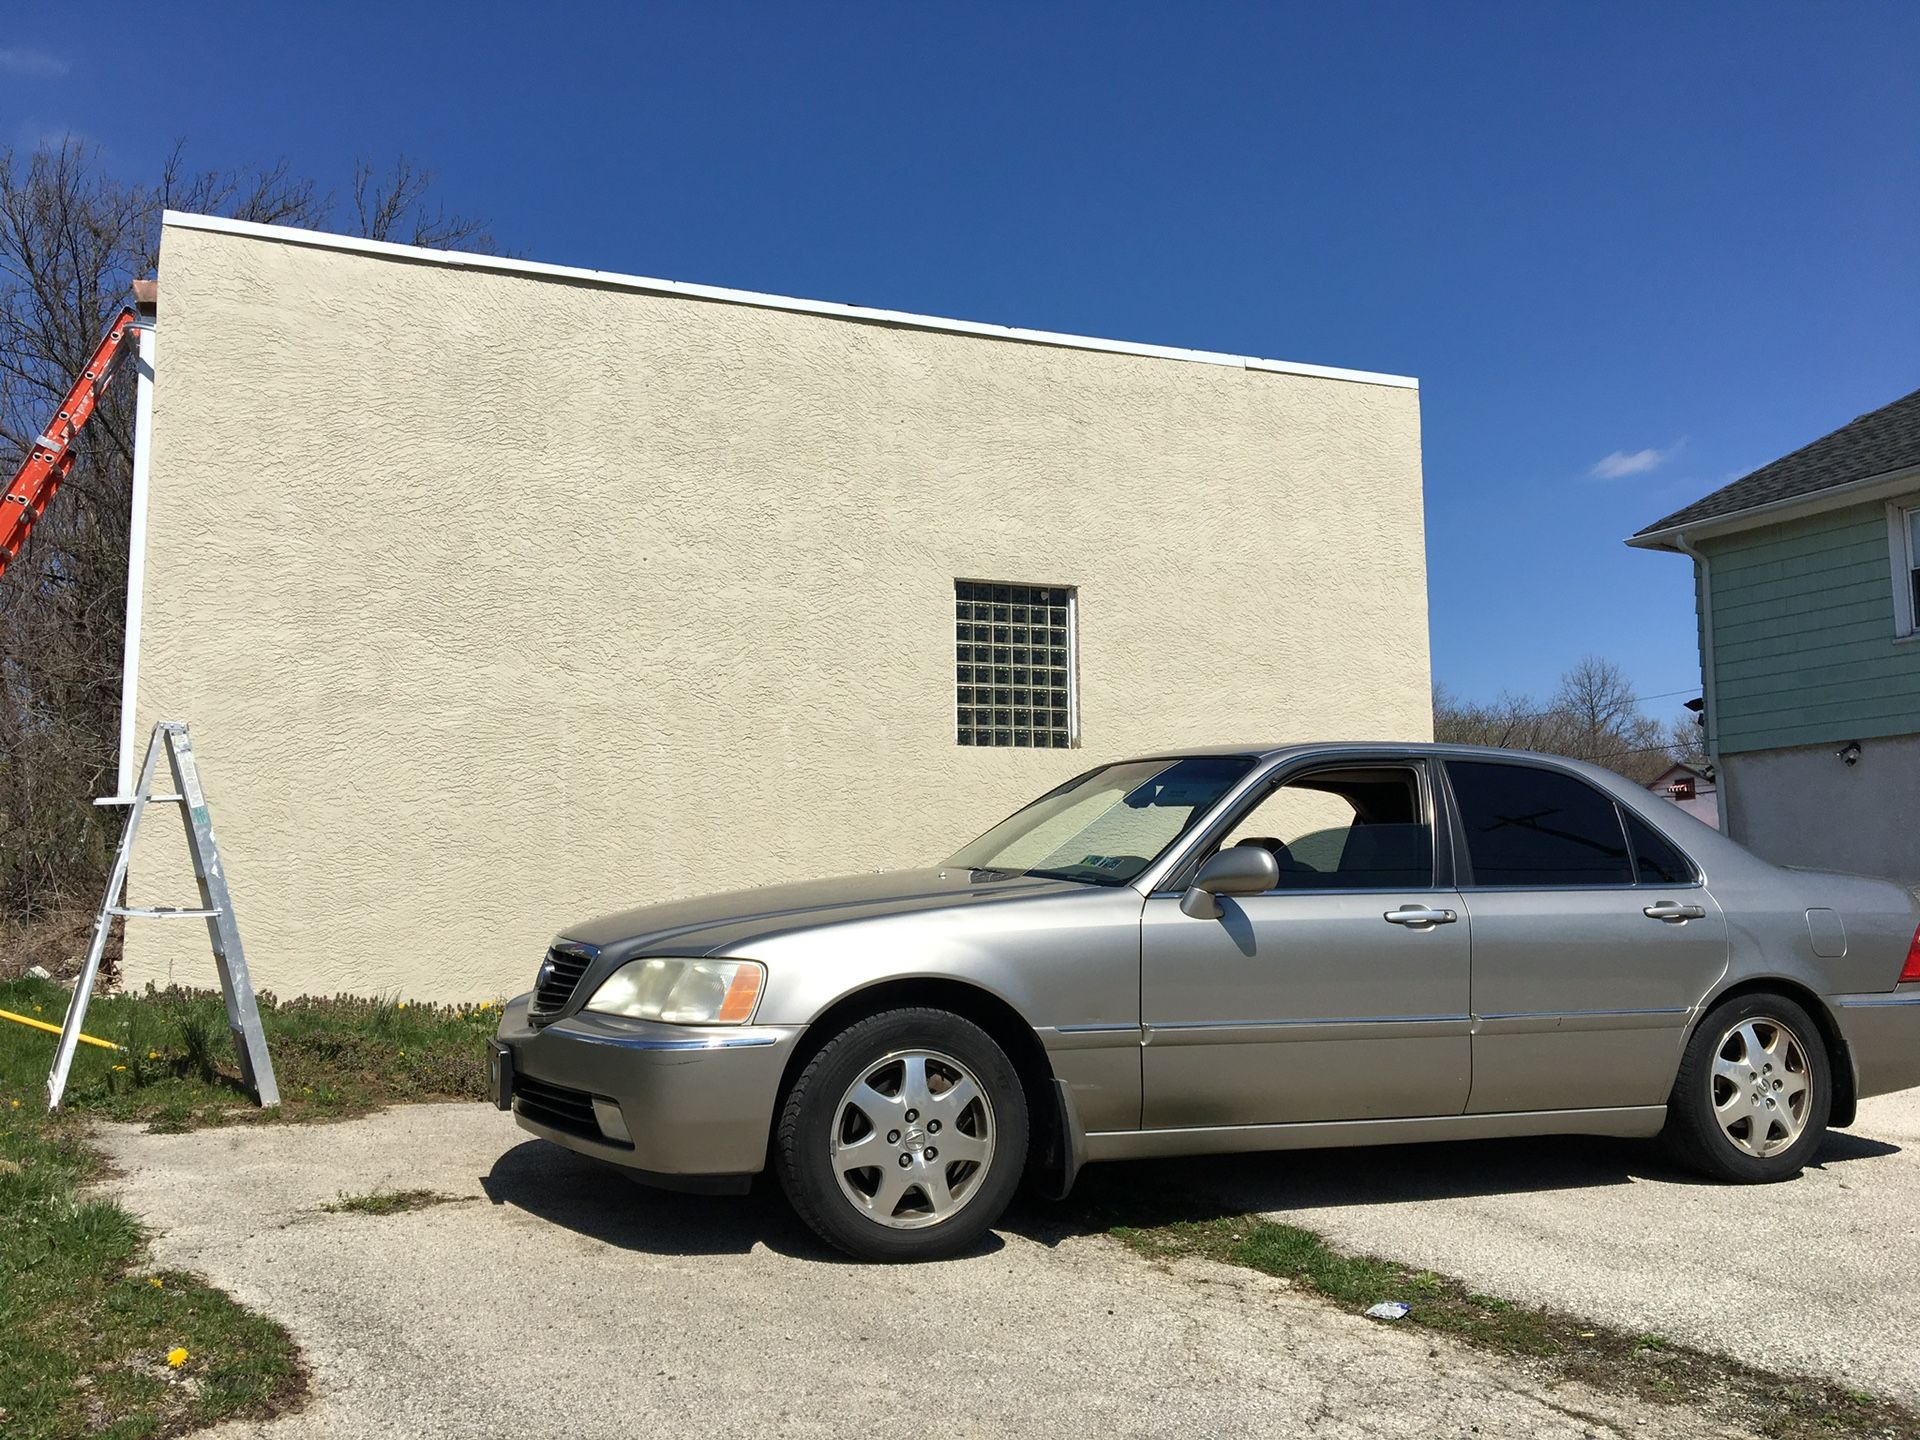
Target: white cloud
20, 60
1622, 463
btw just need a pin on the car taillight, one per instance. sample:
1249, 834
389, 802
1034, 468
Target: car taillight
1911, 970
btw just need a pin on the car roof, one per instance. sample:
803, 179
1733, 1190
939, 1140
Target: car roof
1271, 751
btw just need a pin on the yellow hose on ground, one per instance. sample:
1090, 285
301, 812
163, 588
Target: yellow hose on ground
55, 1030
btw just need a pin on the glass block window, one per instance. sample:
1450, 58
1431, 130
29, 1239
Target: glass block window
1013, 664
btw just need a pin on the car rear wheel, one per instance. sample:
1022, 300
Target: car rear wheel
1754, 1092
904, 1137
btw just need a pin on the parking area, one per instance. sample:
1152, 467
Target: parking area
550, 1297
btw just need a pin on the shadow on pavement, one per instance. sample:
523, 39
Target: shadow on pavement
1158, 1192
599, 1201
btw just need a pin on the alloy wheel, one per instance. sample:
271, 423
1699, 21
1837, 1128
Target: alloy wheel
913, 1139
1761, 1086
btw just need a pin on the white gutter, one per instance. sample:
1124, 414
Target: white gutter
1884, 486
1709, 697
289, 235
136, 562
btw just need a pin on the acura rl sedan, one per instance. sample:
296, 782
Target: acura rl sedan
1226, 950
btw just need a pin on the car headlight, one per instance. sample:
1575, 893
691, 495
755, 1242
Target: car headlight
682, 991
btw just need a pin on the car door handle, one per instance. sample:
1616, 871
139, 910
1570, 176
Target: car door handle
1419, 915
1673, 912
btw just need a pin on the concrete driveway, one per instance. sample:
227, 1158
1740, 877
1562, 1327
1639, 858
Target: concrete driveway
554, 1298
1820, 1275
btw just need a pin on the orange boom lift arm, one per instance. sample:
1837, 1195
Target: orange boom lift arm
52, 456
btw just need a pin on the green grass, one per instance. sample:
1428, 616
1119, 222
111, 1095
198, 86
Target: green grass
85, 1330
1649, 1366
334, 1056
388, 1202
86, 1327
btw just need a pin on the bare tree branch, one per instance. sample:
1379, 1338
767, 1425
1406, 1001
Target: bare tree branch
1594, 715
73, 238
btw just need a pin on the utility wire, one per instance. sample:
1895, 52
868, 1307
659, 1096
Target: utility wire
1563, 710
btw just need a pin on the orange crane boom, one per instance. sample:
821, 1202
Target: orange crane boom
52, 456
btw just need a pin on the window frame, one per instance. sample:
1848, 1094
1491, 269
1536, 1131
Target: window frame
1072, 593
1205, 841
1463, 875
1904, 558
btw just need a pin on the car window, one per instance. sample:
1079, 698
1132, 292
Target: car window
1655, 859
1530, 826
1353, 828
1109, 824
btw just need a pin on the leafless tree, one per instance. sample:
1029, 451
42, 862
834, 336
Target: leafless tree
394, 205
73, 237
1593, 715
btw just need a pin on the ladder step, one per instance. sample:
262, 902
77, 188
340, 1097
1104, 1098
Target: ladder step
160, 912
129, 799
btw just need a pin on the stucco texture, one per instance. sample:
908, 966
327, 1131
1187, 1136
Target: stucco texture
496, 601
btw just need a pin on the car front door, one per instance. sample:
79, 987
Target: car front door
1342, 994
1593, 939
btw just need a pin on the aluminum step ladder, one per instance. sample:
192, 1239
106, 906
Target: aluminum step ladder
216, 908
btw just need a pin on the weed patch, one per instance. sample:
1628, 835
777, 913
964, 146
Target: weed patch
389, 1202
1650, 1366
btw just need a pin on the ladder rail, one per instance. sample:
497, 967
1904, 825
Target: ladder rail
51, 457
76, 1016
216, 908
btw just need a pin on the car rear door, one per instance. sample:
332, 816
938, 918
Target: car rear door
1593, 939
1340, 995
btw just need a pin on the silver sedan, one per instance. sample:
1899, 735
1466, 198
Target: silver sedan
1226, 950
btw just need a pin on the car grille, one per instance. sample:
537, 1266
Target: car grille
559, 976
557, 1107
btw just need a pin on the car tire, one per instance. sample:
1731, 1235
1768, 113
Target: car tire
1746, 1052
852, 1103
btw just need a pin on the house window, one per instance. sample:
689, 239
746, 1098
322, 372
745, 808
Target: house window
1013, 664
1910, 534
1903, 545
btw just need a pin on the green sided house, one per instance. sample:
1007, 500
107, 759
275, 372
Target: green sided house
1807, 578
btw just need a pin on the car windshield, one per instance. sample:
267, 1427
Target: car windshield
1108, 825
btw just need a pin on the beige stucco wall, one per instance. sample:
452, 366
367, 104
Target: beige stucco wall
497, 600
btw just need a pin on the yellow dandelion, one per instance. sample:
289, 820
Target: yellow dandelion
119, 1067
36, 1009
154, 1280
177, 1356
153, 1054
403, 1054
401, 1006
14, 1103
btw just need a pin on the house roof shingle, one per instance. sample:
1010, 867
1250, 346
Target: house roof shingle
1878, 443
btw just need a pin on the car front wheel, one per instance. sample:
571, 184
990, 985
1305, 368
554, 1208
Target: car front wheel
1754, 1092
904, 1137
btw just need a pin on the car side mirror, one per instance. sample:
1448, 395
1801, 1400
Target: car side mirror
1239, 870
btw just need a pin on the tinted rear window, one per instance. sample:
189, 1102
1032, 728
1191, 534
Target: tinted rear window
1654, 856
1527, 826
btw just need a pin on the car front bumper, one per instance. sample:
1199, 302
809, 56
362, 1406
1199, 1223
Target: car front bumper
682, 1105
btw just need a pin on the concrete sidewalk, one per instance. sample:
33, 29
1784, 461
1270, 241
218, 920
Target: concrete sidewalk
553, 1298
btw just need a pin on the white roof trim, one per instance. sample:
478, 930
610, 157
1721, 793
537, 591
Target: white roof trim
289, 235
1792, 507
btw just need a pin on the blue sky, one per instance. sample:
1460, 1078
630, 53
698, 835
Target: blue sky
1632, 251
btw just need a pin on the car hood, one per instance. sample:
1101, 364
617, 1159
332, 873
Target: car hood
713, 922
